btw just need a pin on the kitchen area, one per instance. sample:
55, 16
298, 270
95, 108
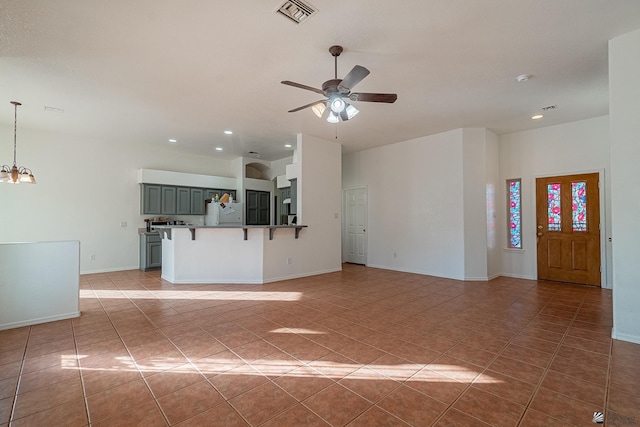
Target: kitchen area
205, 232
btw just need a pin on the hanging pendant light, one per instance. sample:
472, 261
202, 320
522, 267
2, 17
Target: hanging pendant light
15, 174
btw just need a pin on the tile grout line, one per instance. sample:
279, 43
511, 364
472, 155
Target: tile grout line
544, 375
498, 354
81, 373
206, 379
15, 396
131, 356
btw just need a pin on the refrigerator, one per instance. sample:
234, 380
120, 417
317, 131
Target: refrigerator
223, 214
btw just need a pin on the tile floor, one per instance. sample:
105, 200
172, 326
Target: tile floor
362, 347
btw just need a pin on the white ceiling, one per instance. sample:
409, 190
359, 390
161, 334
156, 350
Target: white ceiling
145, 71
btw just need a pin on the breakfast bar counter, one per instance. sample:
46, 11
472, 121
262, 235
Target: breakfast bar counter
226, 253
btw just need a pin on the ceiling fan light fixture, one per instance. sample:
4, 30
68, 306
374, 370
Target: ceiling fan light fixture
333, 117
319, 109
351, 111
337, 105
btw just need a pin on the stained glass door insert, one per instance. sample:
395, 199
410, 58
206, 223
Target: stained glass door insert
579, 205
554, 207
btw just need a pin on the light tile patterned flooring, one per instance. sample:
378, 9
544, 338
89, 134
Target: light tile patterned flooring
362, 347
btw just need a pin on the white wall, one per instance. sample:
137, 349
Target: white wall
577, 147
624, 96
46, 293
415, 203
474, 163
318, 248
86, 187
493, 204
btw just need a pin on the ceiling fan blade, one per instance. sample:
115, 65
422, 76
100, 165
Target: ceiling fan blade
354, 77
306, 106
301, 86
374, 97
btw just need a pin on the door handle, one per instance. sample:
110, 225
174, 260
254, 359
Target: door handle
540, 234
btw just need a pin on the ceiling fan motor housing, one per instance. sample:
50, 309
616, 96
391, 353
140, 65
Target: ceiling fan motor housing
331, 86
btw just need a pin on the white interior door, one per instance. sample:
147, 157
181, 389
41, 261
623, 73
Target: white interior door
356, 225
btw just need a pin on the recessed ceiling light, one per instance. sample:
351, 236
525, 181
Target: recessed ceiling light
523, 78
228, 132
287, 145
173, 141
537, 117
218, 148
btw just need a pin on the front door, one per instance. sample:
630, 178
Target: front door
568, 228
356, 225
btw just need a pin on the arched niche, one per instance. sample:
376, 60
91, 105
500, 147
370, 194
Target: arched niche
256, 171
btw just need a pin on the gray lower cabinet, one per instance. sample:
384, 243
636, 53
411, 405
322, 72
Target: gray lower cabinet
150, 251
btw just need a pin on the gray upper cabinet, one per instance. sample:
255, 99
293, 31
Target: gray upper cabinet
151, 199
183, 200
211, 193
172, 200
197, 201
168, 200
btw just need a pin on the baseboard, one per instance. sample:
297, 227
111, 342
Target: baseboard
39, 320
298, 276
518, 276
625, 337
477, 279
109, 270
212, 282
424, 273
253, 282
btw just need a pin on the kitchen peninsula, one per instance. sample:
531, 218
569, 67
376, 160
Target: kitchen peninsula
227, 253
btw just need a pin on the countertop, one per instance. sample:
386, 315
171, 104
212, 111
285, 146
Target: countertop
165, 230
166, 227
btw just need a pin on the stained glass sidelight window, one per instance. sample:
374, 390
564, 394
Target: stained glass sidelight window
554, 213
579, 205
515, 225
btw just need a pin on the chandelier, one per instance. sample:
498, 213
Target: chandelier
15, 174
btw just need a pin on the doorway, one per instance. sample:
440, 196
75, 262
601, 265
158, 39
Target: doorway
356, 225
568, 228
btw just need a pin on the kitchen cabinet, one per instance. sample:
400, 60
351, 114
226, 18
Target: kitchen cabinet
150, 251
258, 207
293, 208
168, 200
210, 193
151, 199
183, 201
197, 201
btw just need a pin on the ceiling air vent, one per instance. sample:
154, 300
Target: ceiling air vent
296, 11
549, 107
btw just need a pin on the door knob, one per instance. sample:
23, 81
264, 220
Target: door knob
539, 234
539, 227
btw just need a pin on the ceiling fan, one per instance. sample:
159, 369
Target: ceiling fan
336, 90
